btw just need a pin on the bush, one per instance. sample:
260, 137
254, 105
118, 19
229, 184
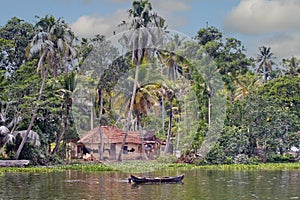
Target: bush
216, 155
35, 155
280, 158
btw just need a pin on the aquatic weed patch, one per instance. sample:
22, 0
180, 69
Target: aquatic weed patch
88, 167
45, 169
149, 166
146, 166
262, 166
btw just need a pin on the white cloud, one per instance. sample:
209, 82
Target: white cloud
89, 26
284, 45
263, 16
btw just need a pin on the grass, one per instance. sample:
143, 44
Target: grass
149, 166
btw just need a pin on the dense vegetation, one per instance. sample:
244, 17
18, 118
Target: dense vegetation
40, 63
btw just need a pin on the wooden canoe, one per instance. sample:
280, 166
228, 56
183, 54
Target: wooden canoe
165, 179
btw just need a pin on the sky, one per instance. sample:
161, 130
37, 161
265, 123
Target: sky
272, 23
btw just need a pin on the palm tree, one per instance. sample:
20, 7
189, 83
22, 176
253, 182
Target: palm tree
53, 45
66, 94
176, 64
9, 137
142, 19
292, 66
145, 102
170, 96
265, 62
246, 84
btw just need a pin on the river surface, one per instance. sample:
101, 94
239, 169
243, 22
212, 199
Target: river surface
197, 184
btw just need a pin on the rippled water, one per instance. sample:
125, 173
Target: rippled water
197, 184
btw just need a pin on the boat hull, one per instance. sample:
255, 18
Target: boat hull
175, 179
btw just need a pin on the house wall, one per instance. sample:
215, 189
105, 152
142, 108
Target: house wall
111, 151
136, 154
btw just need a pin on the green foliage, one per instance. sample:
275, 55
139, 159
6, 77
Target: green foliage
14, 38
37, 156
217, 156
285, 90
262, 116
280, 158
235, 141
292, 66
262, 123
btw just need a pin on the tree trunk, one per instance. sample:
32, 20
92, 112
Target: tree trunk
60, 136
34, 112
163, 113
14, 163
209, 111
92, 113
100, 94
169, 128
136, 78
178, 134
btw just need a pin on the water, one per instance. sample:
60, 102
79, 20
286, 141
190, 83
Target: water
197, 184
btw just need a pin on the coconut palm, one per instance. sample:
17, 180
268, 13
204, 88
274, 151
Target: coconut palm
66, 94
7, 137
170, 61
145, 102
146, 99
142, 21
246, 84
53, 45
292, 66
175, 64
265, 62
170, 94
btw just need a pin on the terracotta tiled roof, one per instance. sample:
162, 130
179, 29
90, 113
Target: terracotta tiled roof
111, 134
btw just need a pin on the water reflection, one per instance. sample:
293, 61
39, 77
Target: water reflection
197, 184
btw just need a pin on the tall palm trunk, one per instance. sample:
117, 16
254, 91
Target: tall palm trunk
178, 132
209, 110
136, 78
163, 113
100, 94
92, 112
33, 117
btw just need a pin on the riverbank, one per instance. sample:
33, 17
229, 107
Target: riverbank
149, 166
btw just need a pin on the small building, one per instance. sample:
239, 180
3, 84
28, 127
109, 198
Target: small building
89, 144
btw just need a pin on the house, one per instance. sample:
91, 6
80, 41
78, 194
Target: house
154, 147
89, 143
112, 138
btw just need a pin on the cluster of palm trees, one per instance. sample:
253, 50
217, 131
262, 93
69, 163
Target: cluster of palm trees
264, 70
54, 47
150, 90
144, 90
142, 37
